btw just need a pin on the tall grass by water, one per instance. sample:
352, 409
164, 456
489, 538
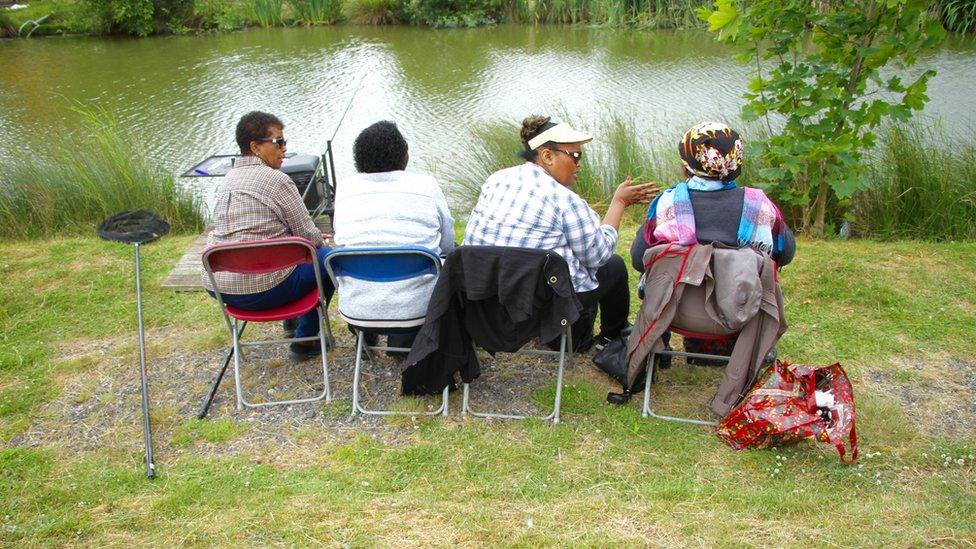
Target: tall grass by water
78, 180
267, 13
922, 184
312, 12
616, 13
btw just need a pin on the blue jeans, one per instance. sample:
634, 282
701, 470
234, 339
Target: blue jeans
297, 284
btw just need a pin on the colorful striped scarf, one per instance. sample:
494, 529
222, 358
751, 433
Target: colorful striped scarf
675, 218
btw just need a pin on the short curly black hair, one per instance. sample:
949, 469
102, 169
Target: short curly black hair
253, 126
380, 148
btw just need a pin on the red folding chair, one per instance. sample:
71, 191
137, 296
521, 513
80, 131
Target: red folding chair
266, 256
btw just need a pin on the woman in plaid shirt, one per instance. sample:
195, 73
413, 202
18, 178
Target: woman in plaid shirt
257, 202
533, 206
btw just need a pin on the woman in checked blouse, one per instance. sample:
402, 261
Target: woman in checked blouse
257, 201
533, 206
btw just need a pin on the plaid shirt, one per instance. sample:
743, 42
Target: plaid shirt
256, 202
525, 207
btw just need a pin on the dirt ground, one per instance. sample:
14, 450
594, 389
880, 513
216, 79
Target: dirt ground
99, 402
939, 396
98, 399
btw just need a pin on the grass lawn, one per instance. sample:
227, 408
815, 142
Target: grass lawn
901, 317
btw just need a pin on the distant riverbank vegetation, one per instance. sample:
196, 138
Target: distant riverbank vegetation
146, 17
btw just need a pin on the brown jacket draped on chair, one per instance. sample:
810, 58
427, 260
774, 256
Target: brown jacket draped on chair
741, 294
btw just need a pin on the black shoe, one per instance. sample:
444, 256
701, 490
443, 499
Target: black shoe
304, 350
288, 327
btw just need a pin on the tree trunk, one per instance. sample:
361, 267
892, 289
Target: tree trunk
820, 208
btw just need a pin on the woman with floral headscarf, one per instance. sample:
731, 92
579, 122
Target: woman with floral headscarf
710, 206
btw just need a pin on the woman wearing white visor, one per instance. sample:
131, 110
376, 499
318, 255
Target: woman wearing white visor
533, 206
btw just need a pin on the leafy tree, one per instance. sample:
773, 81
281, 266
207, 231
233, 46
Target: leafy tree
830, 72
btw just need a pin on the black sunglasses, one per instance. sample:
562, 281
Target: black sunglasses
280, 142
575, 155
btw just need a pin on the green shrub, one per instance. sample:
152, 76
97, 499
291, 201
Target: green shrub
217, 15
374, 12
77, 181
7, 28
451, 13
139, 17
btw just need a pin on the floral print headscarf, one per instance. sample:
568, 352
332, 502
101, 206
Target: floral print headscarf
712, 150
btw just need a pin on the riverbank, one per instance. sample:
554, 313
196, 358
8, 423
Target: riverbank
897, 315
142, 18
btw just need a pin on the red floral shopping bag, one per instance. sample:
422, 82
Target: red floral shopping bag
790, 402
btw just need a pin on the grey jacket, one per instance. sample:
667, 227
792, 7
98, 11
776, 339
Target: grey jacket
741, 294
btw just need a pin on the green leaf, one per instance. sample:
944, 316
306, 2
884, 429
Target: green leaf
725, 18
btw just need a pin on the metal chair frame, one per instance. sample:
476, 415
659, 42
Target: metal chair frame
334, 266
236, 326
647, 411
565, 343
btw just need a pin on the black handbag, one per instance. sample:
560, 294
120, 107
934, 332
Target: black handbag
612, 360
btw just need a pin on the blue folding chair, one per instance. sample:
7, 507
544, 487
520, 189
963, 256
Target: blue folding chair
382, 264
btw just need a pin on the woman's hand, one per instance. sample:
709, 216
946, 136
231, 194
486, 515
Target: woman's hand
628, 194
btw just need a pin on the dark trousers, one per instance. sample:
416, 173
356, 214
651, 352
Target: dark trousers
300, 282
612, 297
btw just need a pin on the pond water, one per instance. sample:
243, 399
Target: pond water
182, 95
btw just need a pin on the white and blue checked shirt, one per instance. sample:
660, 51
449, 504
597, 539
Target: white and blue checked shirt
525, 207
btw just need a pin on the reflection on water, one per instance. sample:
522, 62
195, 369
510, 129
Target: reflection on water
182, 95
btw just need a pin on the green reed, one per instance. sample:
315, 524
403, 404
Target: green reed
77, 181
923, 185
613, 13
266, 13
314, 12
957, 15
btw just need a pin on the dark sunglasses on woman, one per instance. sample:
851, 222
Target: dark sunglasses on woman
280, 142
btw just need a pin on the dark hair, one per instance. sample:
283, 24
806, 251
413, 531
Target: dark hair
531, 127
380, 148
254, 126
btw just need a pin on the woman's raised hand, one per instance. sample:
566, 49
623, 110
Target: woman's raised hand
630, 194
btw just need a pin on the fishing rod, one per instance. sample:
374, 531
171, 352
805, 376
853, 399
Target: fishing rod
328, 144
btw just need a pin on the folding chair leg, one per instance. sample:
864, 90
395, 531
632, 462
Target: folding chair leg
355, 376
208, 402
652, 368
325, 346
565, 344
236, 342
357, 408
326, 393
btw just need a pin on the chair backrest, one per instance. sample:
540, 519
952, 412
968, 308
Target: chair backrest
258, 256
382, 263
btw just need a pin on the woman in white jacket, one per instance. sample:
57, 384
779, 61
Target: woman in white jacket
385, 205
